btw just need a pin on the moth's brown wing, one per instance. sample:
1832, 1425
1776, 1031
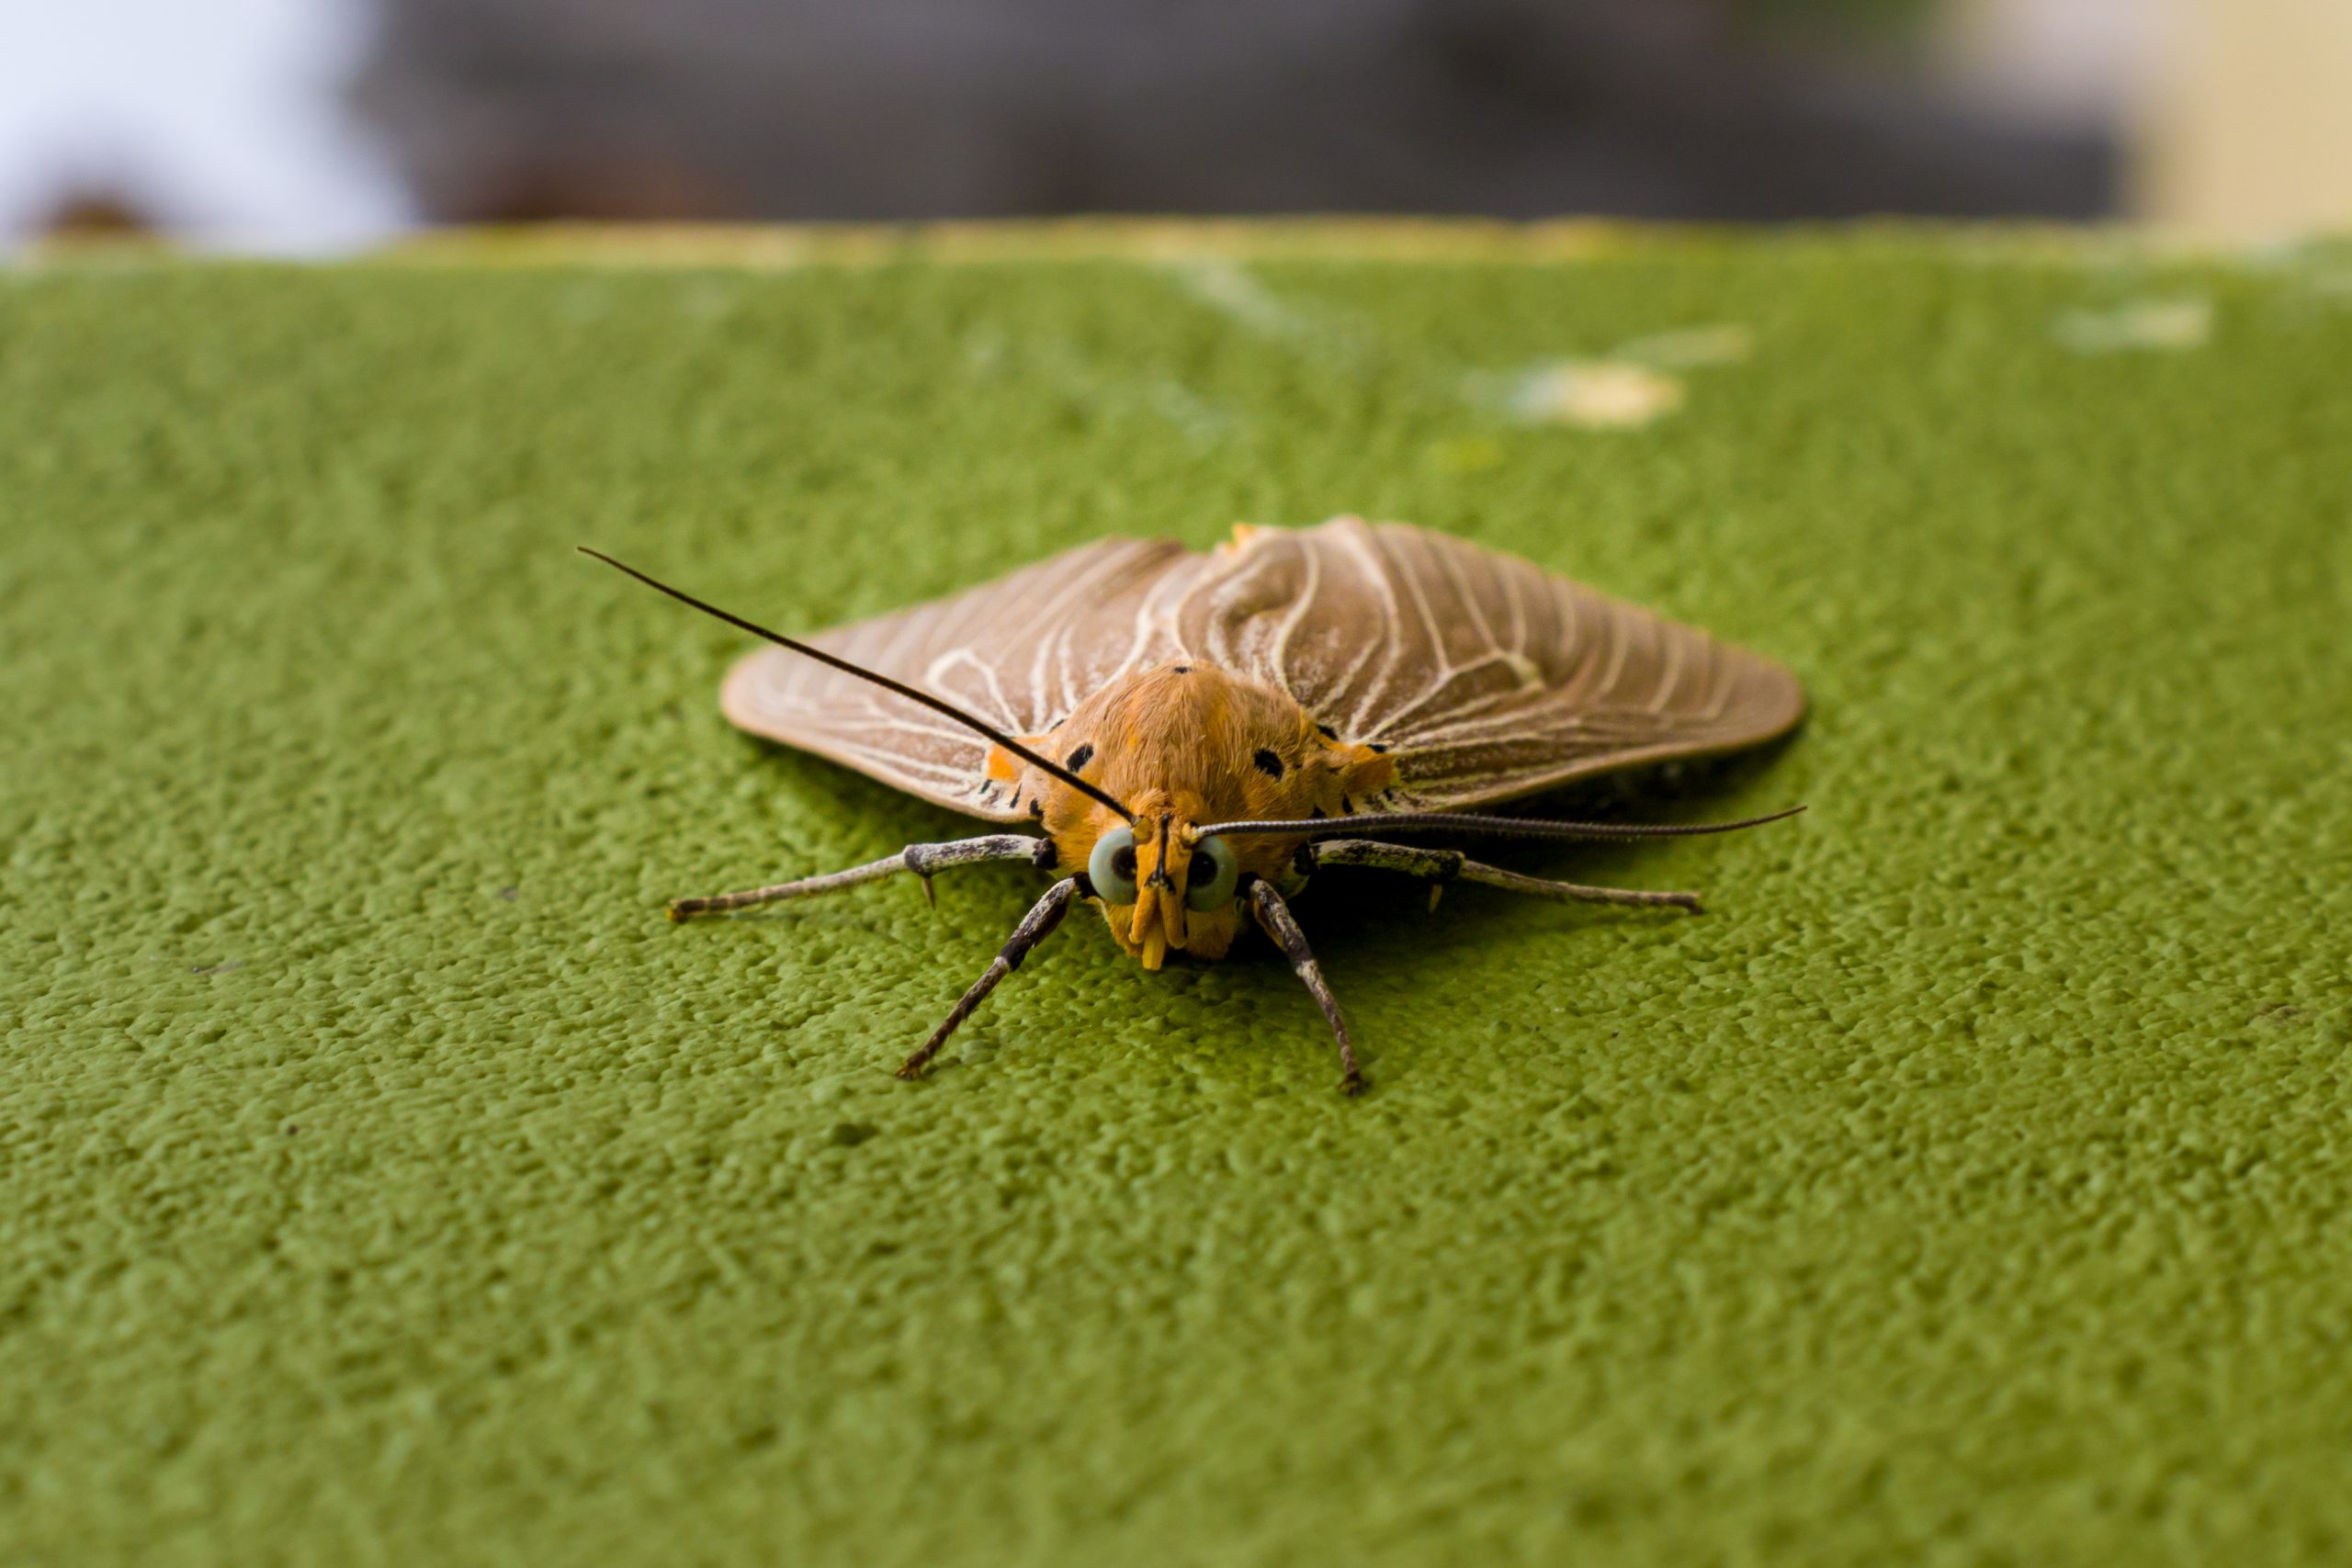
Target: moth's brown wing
1019, 652
1487, 677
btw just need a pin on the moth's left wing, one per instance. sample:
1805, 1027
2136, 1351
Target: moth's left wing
1019, 652
1485, 677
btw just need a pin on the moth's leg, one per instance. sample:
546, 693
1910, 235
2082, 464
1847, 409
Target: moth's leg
1441, 867
920, 858
1042, 917
1274, 916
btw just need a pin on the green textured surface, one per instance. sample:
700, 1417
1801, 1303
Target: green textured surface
382, 1180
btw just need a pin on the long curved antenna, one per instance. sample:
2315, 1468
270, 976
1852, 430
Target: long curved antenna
945, 709
1366, 824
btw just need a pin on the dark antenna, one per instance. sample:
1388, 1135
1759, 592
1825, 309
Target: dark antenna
845, 667
1489, 827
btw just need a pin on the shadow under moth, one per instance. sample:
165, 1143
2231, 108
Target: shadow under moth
1184, 740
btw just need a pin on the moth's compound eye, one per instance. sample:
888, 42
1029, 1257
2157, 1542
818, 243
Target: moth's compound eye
1214, 873
1112, 866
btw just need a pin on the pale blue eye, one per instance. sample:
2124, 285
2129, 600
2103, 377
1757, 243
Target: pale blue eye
1214, 873
1112, 866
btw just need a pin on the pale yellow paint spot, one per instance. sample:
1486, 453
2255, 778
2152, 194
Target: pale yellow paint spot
1598, 394
2170, 325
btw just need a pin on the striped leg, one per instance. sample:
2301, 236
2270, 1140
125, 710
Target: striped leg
1034, 927
922, 860
1439, 867
1274, 916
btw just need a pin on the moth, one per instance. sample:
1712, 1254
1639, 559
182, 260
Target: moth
1184, 740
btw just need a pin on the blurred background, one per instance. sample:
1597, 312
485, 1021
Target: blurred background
307, 126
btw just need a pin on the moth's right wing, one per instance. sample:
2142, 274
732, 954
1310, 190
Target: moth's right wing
1485, 677
1019, 652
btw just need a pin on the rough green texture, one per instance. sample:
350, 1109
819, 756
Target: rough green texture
382, 1180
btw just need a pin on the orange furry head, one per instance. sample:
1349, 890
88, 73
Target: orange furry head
1184, 744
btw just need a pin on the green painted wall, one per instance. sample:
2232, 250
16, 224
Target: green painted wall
381, 1179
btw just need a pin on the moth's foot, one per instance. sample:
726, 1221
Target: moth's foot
1353, 1086
683, 909
1688, 902
909, 1071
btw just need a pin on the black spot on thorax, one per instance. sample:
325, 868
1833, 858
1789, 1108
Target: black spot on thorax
1269, 764
1078, 759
